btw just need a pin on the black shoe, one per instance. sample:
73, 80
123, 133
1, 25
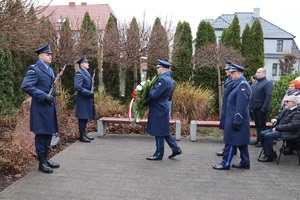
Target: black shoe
287, 151
43, 165
220, 167
45, 168
239, 166
84, 139
175, 153
153, 158
258, 144
52, 164
220, 153
254, 142
266, 159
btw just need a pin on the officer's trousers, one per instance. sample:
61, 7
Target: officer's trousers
160, 145
42, 143
230, 151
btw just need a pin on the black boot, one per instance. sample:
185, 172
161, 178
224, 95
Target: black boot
43, 165
49, 162
82, 137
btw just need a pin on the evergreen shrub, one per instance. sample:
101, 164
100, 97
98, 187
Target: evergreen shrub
279, 90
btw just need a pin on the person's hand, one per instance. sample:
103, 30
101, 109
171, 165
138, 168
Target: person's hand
91, 94
273, 121
236, 127
262, 111
273, 129
49, 98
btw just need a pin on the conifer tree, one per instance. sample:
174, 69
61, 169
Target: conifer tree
201, 35
88, 45
211, 38
182, 53
257, 48
279, 90
223, 36
205, 35
6, 83
66, 56
132, 54
246, 49
66, 44
158, 47
111, 69
233, 35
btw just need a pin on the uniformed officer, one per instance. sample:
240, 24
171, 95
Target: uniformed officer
158, 118
227, 88
43, 117
237, 122
84, 98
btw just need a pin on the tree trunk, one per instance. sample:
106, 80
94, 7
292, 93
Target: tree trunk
220, 90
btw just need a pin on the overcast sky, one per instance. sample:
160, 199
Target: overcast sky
284, 14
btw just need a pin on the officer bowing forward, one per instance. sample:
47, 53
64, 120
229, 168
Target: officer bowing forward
43, 118
158, 118
237, 122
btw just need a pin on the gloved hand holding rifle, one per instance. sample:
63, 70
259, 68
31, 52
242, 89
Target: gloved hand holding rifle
53, 93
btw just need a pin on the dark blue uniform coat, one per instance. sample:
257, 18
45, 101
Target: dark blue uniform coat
37, 83
158, 118
227, 88
84, 100
237, 112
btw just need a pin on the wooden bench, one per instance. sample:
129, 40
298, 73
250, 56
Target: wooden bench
113, 120
194, 124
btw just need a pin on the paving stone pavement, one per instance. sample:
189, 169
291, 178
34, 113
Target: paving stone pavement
115, 167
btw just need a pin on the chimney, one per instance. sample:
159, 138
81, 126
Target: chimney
256, 12
83, 3
71, 3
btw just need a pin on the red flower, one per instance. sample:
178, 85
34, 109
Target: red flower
134, 94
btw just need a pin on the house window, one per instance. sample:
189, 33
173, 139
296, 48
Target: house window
275, 69
279, 46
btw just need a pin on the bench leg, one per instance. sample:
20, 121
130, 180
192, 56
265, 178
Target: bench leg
101, 128
178, 130
193, 131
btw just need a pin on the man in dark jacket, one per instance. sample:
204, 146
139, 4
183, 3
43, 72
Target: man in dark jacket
286, 123
259, 105
158, 118
84, 98
43, 117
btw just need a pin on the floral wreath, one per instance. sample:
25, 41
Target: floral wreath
139, 102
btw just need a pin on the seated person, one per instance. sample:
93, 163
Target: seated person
286, 123
293, 89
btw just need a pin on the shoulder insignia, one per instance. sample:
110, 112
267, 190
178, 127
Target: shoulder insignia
31, 71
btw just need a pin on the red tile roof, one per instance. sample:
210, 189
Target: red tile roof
100, 13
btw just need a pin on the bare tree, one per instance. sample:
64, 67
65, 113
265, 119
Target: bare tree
19, 25
216, 56
286, 64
